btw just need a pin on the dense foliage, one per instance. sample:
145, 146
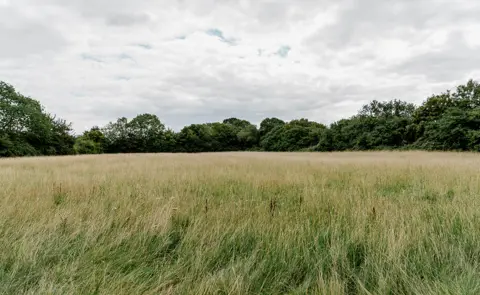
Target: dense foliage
26, 129
448, 121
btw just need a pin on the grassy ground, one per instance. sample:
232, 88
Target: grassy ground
241, 223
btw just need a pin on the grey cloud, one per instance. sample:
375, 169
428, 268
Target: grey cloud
370, 20
127, 19
263, 15
124, 56
278, 14
217, 98
122, 78
329, 76
144, 46
21, 37
271, 12
95, 8
254, 102
89, 57
455, 60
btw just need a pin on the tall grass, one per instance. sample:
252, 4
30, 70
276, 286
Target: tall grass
241, 223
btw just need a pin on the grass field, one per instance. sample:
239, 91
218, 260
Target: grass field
241, 223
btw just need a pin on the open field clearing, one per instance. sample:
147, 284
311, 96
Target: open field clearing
241, 223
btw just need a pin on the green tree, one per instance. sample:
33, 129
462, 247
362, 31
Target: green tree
61, 141
449, 120
293, 136
268, 124
26, 129
224, 137
239, 123
143, 134
96, 135
467, 97
170, 141
455, 130
117, 136
146, 134
378, 125
85, 146
387, 109
246, 132
91, 142
195, 138
248, 137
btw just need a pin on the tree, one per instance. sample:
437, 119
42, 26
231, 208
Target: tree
467, 97
61, 140
433, 108
85, 146
248, 137
247, 133
146, 134
237, 122
26, 129
325, 141
6, 146
170, 141
224, 137
116, 136
195, 138
378, 125
387, 109
143, 134
455, 130
268, 124
448, 120
293, 136
91, 142
96, 135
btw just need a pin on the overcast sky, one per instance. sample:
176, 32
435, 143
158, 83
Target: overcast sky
195, 61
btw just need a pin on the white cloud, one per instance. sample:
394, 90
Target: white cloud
92, 61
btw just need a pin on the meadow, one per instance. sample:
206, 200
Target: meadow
241, 223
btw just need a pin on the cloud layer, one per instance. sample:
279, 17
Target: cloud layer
92, 61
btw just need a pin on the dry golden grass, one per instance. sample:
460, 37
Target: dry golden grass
241, 223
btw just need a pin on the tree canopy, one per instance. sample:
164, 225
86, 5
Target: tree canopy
445, 121
27, 130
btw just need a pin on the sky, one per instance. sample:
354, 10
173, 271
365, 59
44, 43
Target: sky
195, 61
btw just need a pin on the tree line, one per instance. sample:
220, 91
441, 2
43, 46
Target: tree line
446, 121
